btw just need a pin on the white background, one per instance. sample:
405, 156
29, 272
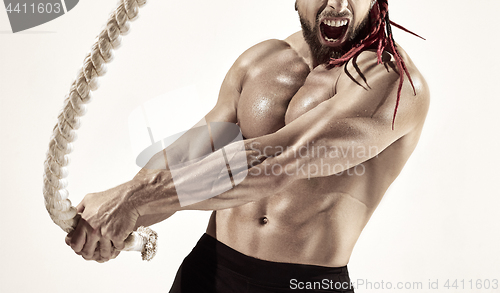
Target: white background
438, 221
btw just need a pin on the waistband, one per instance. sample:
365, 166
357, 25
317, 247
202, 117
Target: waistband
209, 249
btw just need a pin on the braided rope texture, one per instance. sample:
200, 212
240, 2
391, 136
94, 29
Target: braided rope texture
150, 240
64, 133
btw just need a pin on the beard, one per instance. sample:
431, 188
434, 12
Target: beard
323, 54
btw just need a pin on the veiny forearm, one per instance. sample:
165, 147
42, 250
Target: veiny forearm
149, 220
154, 190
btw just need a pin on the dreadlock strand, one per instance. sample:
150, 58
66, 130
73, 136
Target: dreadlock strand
405, 29
400, 89
409, 78
401, 64
381, 45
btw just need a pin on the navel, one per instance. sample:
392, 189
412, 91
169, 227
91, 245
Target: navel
263, 221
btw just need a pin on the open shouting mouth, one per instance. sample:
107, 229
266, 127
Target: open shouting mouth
333, 30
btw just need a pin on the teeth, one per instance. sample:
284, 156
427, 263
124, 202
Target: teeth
335, 23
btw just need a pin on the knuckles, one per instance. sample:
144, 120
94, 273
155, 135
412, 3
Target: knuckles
97, 224
108, 233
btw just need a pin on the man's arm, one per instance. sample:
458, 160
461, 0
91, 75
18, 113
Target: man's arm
359, 118
106, 217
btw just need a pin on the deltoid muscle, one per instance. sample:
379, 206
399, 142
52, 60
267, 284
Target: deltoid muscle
56, 196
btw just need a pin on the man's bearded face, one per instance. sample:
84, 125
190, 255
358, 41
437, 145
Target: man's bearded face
331, 30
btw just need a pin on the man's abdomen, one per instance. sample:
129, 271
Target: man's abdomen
303, 224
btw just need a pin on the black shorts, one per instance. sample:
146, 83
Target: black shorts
213, 267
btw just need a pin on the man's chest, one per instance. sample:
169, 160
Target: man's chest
275, 94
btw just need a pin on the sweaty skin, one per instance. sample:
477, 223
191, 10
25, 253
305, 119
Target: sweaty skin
318, 220
282, 99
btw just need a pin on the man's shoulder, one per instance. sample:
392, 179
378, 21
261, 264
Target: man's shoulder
261, 51
365, 76
265, 56
366, 71
268, 55
367, 66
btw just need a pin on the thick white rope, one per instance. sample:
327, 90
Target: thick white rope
55, 172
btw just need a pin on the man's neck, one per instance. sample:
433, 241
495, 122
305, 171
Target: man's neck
298, 43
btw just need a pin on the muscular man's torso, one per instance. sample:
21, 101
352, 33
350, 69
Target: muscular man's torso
311, 221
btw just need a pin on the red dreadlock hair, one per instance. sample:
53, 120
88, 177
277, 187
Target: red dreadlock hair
380, 23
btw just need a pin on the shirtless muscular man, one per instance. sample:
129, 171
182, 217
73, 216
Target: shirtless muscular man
335, 85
